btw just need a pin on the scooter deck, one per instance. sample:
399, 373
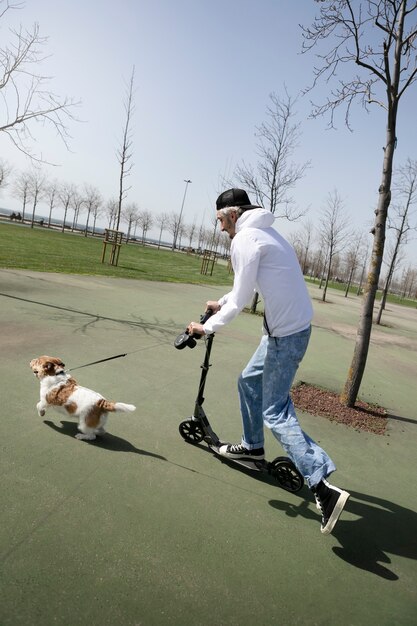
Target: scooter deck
255, 466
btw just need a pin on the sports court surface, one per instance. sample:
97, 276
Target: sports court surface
141, 528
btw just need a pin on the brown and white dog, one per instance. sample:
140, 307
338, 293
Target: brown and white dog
60, 390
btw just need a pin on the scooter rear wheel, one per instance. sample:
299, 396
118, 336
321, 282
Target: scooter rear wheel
285, 472
191, 431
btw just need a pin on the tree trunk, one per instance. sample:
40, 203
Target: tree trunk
357, 367
393, 262
86, 225
65, 217
358, 293
35, 202
329, 269
254, 302
349, 280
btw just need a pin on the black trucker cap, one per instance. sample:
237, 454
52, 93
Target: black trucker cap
235, 197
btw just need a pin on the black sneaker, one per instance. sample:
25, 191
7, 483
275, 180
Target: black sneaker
330, 500
238, 451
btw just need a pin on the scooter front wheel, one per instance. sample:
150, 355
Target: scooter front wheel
191, 431
285, 472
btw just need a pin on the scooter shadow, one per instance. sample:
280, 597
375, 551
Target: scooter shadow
107, 441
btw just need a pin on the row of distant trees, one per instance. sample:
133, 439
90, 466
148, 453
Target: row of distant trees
332, 252
337, 241
32, 189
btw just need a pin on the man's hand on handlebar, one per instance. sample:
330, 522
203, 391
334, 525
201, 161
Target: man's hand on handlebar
213, 305
194, 328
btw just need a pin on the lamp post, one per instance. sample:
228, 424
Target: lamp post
177, 230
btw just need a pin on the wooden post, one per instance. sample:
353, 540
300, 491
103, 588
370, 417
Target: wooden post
114, 239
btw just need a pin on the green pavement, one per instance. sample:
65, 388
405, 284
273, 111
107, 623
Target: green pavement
141, 528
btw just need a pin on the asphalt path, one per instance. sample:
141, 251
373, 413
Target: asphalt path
140, 527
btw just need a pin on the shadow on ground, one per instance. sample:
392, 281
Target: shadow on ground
381, 527
106, 441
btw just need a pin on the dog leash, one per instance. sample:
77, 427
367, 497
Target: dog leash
110, 358
117, 356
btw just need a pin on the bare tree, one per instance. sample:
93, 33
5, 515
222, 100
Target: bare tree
205, 237
181, 232
333, 231
145, 221
25, 90
96, 211
65, 195
200, 237
406, 187
5, 171
352, 259
409, 283
379, 38
174, 223
275, 174
190, 232
161, 220
37, 184
124, 154
130, 217
111, 210
364, 264
21, 190
302, 241
92, 202
51, 196
77, 202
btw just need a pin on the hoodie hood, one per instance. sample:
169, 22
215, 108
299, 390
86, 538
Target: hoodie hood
255, 218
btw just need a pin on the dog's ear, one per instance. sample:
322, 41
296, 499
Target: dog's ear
55, 363
49, 367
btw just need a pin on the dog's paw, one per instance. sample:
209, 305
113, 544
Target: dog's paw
84, 437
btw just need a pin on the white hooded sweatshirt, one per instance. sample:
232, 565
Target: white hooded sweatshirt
264, 261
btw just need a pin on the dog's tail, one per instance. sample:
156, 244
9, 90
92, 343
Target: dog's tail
126, 408
107, 405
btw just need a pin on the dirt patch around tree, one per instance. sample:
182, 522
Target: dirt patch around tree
324, 403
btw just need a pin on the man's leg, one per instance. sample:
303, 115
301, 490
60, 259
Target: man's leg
283, 357
281, 363
250, 398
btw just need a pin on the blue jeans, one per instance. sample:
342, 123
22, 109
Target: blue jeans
264, 395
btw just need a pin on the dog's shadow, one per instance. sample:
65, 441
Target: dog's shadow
107, 441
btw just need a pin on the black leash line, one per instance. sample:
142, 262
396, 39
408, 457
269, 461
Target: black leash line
118, 356
110, 358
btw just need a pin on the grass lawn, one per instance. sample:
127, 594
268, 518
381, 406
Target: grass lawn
394, 299
45, 250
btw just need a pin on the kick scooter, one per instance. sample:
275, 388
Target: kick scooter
197, 428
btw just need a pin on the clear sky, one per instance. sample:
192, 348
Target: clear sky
204, 70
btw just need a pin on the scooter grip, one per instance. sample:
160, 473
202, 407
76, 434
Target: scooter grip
206, 316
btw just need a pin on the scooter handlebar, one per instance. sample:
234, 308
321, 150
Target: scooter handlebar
185, 339
206, 316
